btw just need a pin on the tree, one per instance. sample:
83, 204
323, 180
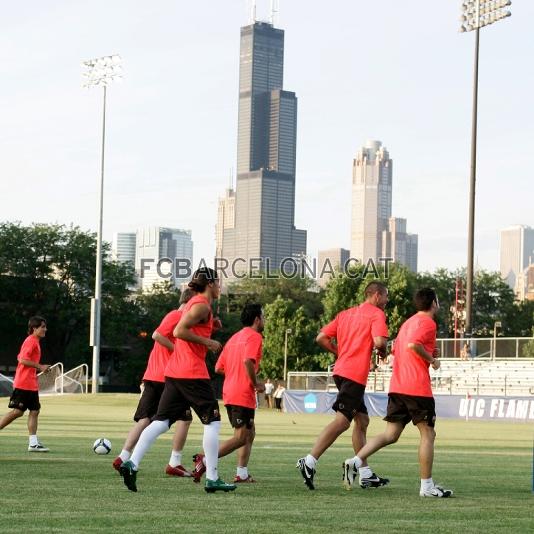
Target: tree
49, 270
301, 348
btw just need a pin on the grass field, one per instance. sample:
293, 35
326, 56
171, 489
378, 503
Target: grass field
71, 489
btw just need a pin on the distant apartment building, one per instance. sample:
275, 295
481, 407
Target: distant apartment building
375, 233
516, 255
400, 245
225, 219
168, 248
123, 247
329, 261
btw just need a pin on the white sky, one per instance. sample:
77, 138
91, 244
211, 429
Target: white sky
384, 69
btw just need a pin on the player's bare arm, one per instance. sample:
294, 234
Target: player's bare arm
421, 352
199, 313
251, 371
40, 367
325, 343
162, 340
381, 344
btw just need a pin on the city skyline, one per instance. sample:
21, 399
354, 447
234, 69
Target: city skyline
171, 124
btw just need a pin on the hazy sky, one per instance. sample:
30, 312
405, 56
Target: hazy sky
395, 71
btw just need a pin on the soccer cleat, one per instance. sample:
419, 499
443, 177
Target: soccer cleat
117, 463
349, 473
178, 471
373, 481
218, 485
129, 475
306, 472
198, 467
239, 480
39, 447
436, 491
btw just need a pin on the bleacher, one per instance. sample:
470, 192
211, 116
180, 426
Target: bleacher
480, 376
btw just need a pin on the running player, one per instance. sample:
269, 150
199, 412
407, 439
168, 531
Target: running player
357, 330
26, 387
187, 384
239, 363
410, 392
153, 382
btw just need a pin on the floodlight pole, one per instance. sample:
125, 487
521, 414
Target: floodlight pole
476, 15
472, 194
101, 71
96, 309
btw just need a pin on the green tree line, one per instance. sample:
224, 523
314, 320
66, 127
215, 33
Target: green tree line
49, 270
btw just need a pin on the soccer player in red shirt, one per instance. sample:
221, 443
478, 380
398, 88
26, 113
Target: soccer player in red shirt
239, 363
410, 391
356, 330
153, 384
187, 383
25, 386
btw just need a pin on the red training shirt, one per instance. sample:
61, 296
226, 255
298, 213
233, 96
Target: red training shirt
160, 355
354, 330
189, 359
410, 372
26, 377
243, 345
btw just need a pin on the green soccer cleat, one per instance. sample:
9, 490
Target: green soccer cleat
129, 475
218, 485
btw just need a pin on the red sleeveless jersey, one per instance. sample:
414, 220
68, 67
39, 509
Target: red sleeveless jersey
189, 359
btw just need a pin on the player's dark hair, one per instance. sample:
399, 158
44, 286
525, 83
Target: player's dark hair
374, 287
424, 298
186, 296
249, 314
202, 278
35, 322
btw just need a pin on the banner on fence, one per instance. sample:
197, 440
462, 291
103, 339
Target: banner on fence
447, 406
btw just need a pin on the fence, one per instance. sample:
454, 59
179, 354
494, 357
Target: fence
507, 377
488, 347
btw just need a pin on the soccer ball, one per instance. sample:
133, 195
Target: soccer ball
102, 446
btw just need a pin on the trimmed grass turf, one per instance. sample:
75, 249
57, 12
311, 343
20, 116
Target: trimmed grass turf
71, 489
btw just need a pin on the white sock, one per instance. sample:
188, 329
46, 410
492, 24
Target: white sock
210, 442
147, 437
310, 461
33, 440
365, 472
176, 458
356, 461
242, 473
426, 484
125, 455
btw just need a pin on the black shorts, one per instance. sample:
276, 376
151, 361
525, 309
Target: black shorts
182, 394
349, 400
24, 399
406, 408
240, 416
149, 401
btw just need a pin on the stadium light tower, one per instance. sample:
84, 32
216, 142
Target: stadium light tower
475, 15
287, 332
100, 73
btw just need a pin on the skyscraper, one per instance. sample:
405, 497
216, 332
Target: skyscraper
154, 244
372, 172
517, 253
375, 233
225, 219
334, 259
123, 247
266, 153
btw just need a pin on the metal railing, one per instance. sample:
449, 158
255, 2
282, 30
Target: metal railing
487, 347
